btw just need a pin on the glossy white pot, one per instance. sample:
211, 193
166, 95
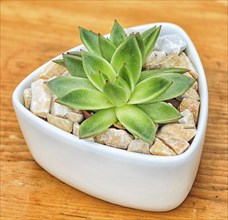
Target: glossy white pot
145, 182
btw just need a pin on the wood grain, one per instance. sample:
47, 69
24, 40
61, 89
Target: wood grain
32, 32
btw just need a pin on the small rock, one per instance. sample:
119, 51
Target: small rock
187, 119
170, 44
139, 146
190, 94
62, 123
74, 117
159, 148
185, 62
52, 70
194, 74
41, 98
192, 105
178, 145
59, 110
170, 61
164, 62
27, 95
76, 127
154, 59
177, 130
115, 138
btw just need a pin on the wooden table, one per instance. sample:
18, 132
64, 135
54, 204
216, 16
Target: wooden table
34, 32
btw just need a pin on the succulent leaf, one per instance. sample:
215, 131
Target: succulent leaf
74, 65
139, 39
128, 53
62, 85
93, 66
161, 112
106, 47
137, 122
181, 84
59, 61
90, 40
147, 34
148, 73
149, 46
118, 34
75, 53
149, 89
97, 123
127, 75
85, 99
117, 92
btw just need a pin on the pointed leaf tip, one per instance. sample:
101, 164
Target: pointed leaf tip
90, 40
74, 65
161, 112
149, 89
118, 34
106, 47
129, 53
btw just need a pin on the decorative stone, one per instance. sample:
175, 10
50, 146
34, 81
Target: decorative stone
170, 61
59, 110
170, 44
194, 74
139, 146
115, 138
154, 59
62, 123
190, 94
178, 145
165, 62
185, 62
188, 119
159, 148
192, 105
177, 130
41, 98
74, 117
27, 95
52, 70
76, 127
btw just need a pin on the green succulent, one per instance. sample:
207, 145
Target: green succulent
108, 79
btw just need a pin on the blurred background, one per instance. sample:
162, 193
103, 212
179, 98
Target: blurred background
51, 27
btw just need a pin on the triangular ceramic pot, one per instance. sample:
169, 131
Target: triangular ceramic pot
134, 180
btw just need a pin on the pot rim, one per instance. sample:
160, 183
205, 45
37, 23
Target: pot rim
115, 152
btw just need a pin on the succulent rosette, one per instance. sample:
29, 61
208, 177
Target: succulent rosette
109, 80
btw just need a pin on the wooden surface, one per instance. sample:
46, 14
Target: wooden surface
34, 32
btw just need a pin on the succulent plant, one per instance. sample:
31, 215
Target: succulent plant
108, 79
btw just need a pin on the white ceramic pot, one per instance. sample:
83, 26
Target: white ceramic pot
145, 182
